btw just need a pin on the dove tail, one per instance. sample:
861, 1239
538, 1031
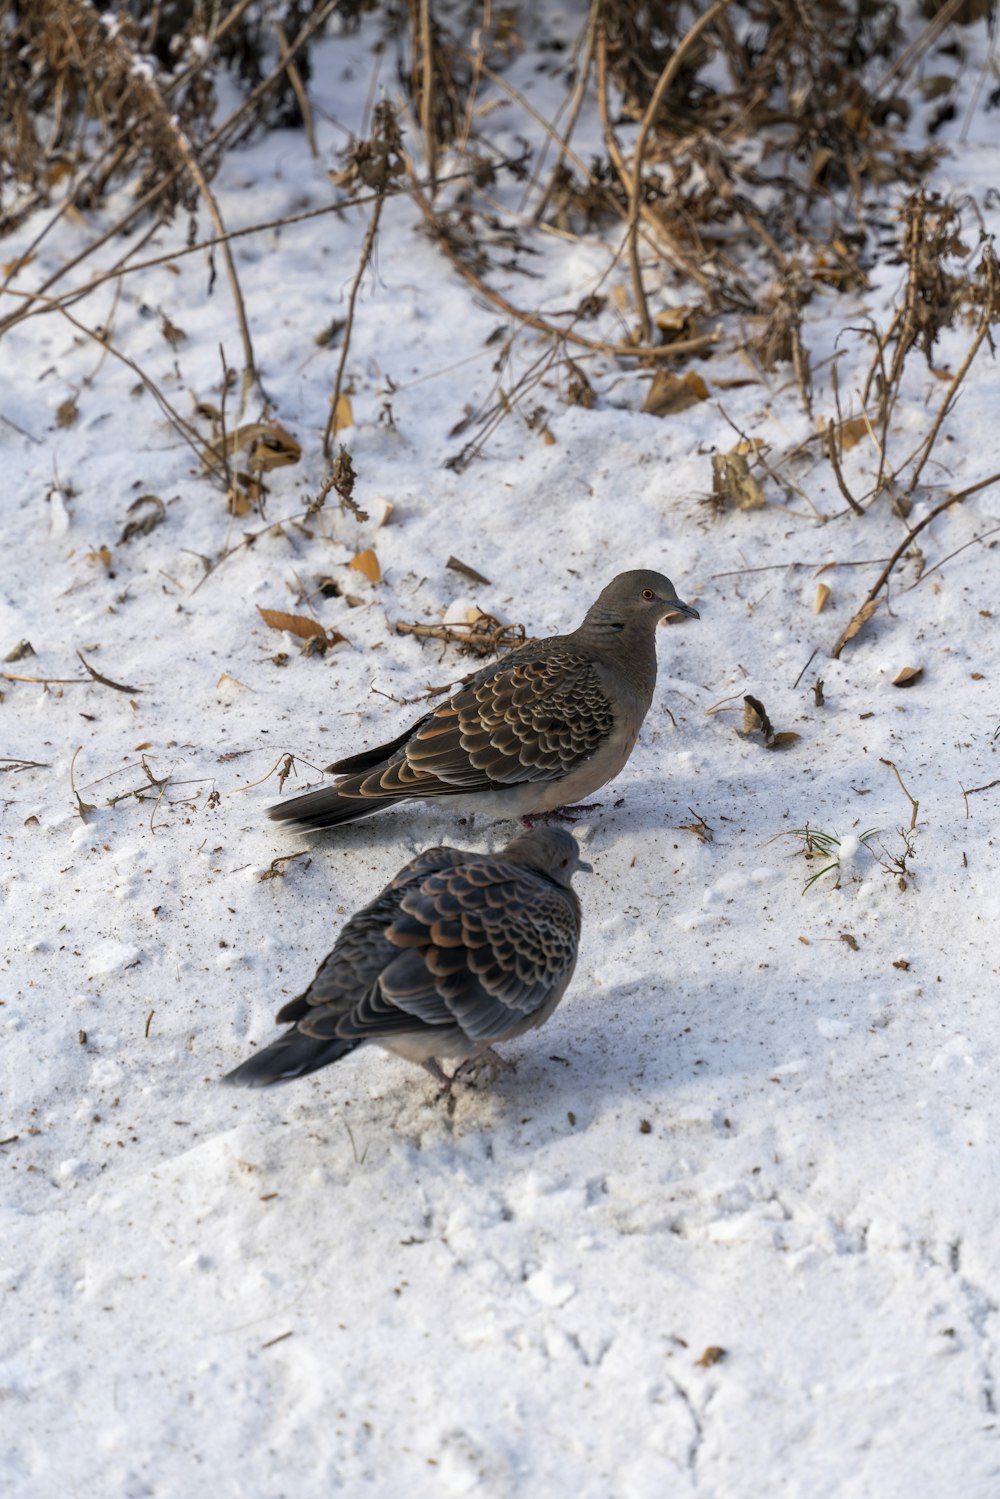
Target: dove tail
327, 807
292, 1055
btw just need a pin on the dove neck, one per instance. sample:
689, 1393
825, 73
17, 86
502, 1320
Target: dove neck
606, 628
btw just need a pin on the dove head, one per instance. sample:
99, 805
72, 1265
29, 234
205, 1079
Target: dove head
552, 851
637, 599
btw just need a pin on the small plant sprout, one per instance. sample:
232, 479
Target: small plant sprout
835, 850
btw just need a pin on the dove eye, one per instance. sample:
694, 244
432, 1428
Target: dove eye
563, 864
648, 595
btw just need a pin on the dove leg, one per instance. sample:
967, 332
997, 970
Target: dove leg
437, 1071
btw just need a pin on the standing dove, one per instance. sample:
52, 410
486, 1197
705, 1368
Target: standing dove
540, 729
460, 950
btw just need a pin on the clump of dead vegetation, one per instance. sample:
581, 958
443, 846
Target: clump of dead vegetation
749, 151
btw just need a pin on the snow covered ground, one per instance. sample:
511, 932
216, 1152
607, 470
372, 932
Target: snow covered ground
730, 1228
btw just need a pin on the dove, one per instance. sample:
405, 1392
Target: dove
539, 730
459, 951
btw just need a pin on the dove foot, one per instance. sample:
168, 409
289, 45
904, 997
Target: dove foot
560, 814
489, 1062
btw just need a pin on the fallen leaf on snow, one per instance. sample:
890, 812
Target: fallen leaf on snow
862, 617
712, 1355
147, 512
732, 481
268, 445
366, 563
852, 431
670, 394
302, 625
343, 414
756, 721
908, 676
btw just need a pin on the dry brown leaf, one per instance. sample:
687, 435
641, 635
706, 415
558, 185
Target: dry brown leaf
302, 625
147, 512
936, 85
239, 500
366, 562
101, 554
670, 393
458, 566
755, 719
862, 617
672, 319
732, 481
330, 335
67, 412
712, 1355
824, 569
822, 598
11, 268
548, 437
268, 446
820, 160
175, 336
228, 684
852, 942
852, 432
387, 508
343, 414
908, 676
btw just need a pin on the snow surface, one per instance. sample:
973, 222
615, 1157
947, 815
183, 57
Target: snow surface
739, 1132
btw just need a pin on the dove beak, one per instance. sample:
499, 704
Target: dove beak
584, 867
678, 606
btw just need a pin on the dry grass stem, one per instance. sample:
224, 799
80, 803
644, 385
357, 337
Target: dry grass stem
914, 804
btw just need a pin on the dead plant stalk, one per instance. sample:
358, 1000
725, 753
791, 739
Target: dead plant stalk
217, 140
883, 577
654, 352
666, 78
914, 804
989, 313
345, 344
576, 104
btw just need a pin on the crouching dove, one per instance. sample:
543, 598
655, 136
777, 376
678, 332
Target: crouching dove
460, 950
538, 730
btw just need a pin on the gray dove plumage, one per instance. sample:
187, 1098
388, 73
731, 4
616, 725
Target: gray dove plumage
460, 950
540, 729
